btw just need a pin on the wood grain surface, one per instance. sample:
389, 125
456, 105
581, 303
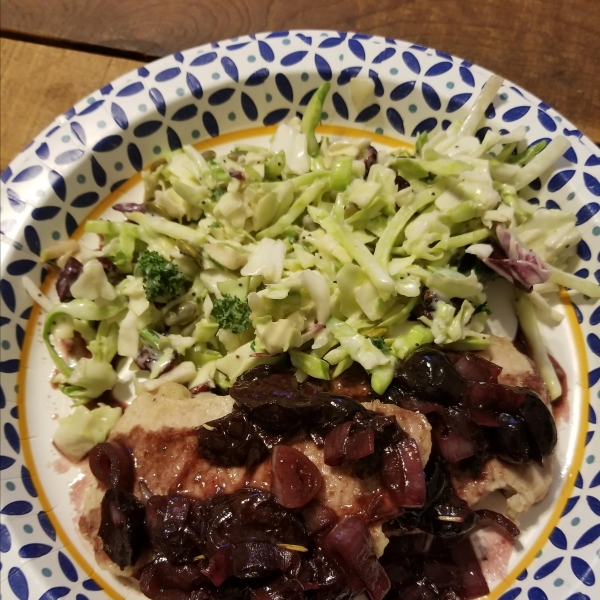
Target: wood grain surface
38, 83
550, 47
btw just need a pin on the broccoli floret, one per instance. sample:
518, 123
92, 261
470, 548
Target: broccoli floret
379, 342
232, 313
163, 281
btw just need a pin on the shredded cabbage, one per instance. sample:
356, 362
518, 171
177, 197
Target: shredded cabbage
327, 256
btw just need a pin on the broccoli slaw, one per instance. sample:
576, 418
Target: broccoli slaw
327, 251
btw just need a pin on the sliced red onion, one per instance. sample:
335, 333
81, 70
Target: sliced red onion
335, 444
351, 541
443, 573
521, 266
360, 444
318, 517
145, 358
370, 158
296, 479
67, 277
454, 446
499, 521
348, 443
252, 560
496, 397
112, 464
161, 580
127, 207
474, 582
198, 389
485, 418
237, 174
404, 544
420, 406
402, 474
279, 589
475, 368
220, 566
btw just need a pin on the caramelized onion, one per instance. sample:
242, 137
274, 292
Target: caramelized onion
112, 464
296, 479
162, 580
220, 566
251, 560
173, 526
402, 474
347, 443
475, 368
280, 589
122, 527
491, 396
351, 541
318, 517
443, 574
454, 446
334, 450
473, 580
499, 521
485, 418
420, 406
127, 207
360, 444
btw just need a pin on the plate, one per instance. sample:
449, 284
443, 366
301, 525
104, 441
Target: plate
216, 95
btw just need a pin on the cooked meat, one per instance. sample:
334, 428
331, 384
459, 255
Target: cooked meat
523, 485
160, 431
517, 369
415, 425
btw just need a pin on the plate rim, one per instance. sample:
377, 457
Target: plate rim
26, 154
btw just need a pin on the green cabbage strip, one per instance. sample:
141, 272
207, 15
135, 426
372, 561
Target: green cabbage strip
312, 117
398, 222
585, 286
341, 173
311, 365
308, 196
529, 325
465, 239
359, 348
357, 250
173, 230
78, 309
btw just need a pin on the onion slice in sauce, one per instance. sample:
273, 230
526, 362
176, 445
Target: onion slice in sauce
351, 541
347, 443
455, 446
402, 474
318, 517
475, 368
296, 479
473, 580
112, 464
499, 521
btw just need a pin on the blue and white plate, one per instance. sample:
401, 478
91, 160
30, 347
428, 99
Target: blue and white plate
212, 96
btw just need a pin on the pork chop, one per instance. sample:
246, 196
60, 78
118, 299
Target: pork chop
160, 430
523, 485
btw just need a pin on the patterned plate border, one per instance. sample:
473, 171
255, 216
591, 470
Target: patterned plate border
110, 137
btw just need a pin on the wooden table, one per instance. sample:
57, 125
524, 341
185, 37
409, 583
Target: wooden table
56, 51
